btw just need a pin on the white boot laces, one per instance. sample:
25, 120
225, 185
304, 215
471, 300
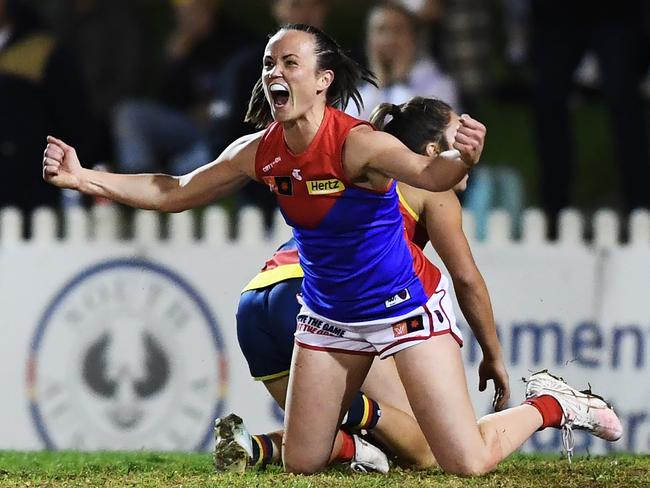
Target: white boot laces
568, 443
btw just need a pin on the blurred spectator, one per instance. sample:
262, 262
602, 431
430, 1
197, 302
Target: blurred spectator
107, 38
402, 67
516, 15
558, 43
311, 12
41, 92
466, 44
430, 15
175, 127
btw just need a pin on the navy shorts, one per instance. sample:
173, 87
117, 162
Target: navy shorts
266, 323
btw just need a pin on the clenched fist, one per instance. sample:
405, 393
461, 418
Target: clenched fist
469, 139
61, 166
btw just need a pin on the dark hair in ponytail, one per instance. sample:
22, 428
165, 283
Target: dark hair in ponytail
348, 74
416, 123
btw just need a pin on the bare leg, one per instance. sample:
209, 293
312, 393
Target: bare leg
397, 428
442, 405
321, 387
278, 389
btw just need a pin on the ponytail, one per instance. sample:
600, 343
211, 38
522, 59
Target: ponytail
381, 111
259, 111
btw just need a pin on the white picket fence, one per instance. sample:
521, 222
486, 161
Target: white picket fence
103, 223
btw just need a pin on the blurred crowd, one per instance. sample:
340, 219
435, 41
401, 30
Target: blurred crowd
163, 85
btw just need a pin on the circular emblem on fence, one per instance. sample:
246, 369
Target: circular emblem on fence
126, 356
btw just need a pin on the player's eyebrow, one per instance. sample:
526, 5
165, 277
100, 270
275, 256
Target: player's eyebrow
284, 56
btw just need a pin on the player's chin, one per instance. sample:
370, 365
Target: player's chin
281, 114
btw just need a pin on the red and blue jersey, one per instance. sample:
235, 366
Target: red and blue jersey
358, 266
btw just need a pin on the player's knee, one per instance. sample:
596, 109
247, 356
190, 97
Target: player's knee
302, 467
470, 465
423, 459
298, 463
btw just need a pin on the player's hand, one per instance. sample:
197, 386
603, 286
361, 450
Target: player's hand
469, 139
61, 166
495, 370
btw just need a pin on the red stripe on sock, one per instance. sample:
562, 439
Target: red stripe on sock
549, 409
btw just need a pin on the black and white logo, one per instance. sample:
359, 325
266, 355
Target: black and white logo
126, 356
400, 297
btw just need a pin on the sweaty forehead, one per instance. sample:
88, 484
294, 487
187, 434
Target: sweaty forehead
288, 42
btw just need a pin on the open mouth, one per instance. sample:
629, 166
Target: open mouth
279, 94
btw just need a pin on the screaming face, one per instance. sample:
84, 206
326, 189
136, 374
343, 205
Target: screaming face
293, 85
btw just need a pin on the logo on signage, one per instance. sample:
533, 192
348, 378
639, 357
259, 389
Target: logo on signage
126, 356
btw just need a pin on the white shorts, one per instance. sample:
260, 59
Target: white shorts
382, 337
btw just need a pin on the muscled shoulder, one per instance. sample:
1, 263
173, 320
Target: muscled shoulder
363, 143
241, 153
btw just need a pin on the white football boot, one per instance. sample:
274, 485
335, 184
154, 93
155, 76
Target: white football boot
234, 445
580, 409
368, 458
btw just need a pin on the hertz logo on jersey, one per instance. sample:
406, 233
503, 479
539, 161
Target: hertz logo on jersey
325, 187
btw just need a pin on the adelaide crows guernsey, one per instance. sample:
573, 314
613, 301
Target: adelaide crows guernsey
358, 266
282, 266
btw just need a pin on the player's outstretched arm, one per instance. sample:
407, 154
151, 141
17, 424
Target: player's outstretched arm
443, 216
229, 172
369, 151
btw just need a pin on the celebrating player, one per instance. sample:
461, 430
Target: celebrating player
365, 290
266, 317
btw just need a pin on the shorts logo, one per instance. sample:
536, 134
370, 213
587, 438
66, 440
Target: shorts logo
408, 326
439, 315
317, 326
120, 360
400, 297
281, 185
325, 187
269, 166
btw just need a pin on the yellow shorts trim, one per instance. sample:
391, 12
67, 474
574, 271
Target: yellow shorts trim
273, 276
270, 377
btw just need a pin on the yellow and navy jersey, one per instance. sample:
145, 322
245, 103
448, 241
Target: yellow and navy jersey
416, 232
283, 265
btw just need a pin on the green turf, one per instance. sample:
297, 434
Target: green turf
71, 469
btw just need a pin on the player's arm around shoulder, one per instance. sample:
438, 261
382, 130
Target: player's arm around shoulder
367, 152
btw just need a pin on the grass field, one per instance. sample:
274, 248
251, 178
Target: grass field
71, 469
